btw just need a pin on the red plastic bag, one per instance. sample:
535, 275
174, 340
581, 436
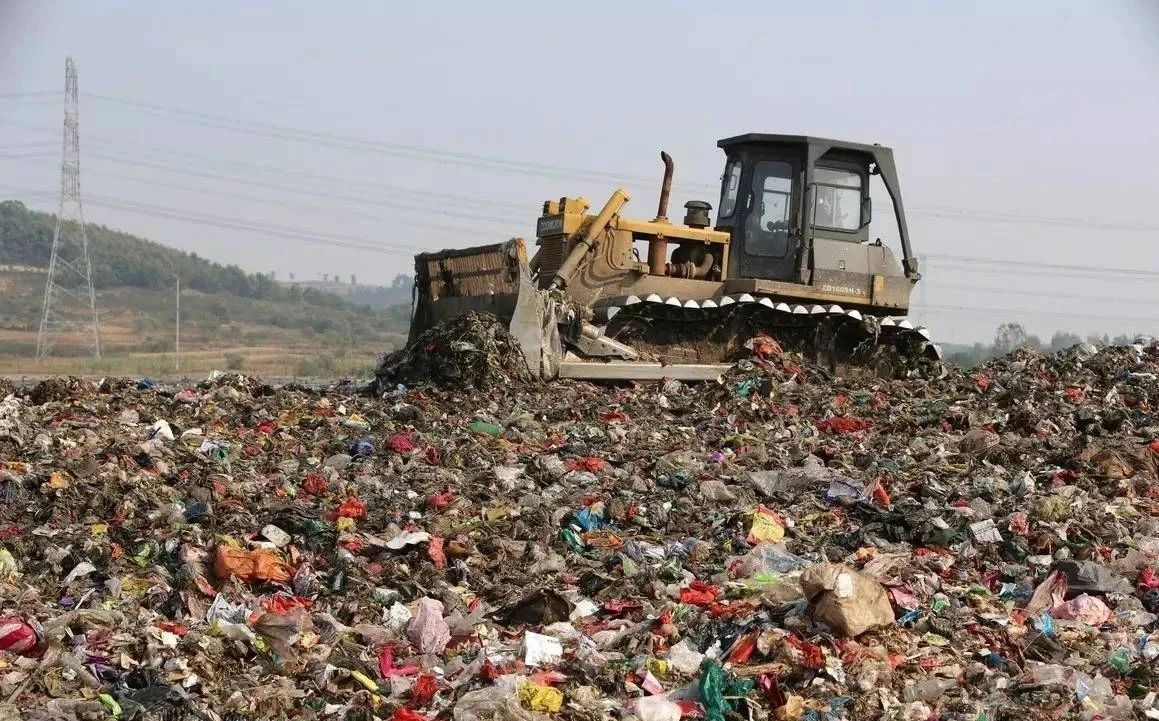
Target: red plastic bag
438, 501
350, 508
424, 690
400, 443
843, 425
812, 655
405, 714
1148, 580
435, 551
699, 593
743, 649
881, 495
386, 667
315, 485
589, 464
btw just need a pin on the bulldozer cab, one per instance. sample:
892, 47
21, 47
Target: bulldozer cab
779, 193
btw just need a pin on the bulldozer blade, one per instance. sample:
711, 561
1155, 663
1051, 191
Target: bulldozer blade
492, 279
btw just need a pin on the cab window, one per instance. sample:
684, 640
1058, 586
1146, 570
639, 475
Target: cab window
838, 199
730, 189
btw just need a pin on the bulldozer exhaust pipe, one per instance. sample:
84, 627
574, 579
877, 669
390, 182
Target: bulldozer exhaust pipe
658, 247
665, 186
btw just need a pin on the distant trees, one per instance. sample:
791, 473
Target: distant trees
1011, 336
1062, 340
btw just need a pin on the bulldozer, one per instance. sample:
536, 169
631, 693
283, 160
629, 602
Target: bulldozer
788, 259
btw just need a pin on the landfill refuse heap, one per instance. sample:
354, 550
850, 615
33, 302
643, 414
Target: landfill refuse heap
779, 544
473, 350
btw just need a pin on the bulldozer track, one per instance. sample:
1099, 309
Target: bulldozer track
680, 330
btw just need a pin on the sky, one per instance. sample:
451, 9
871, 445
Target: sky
342, 138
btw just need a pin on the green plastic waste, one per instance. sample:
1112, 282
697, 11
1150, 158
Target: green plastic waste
486, 429
720, 692
111, 704
1120, 660
573, 539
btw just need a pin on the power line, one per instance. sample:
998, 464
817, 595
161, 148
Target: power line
1045, 294
941, 212
415, 152
972, 310
102, 141
373, 202
295, 205
1016, 265
1009, 269
438, 155
356, 243
989, 217
12, 96
269, 230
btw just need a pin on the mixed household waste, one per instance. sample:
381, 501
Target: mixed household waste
779, 544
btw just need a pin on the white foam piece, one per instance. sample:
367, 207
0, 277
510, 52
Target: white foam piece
653, 298
632, 300
692, 304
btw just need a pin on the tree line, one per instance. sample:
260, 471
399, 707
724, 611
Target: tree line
1012, 336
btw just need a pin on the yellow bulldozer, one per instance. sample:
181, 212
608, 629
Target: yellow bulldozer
607, 297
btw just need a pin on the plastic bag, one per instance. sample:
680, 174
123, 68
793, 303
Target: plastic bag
720, 692
848, 601
259, 565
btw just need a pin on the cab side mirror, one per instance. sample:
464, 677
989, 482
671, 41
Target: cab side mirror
866, 211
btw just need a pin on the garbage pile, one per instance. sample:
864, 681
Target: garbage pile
474, 350
779, 544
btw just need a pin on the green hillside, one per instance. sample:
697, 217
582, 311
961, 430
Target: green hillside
123, 260
229, 317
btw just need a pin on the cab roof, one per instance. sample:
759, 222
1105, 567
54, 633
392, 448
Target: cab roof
828, 143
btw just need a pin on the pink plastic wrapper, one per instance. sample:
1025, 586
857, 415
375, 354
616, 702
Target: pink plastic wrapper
20, 637
1084, 609
428, 631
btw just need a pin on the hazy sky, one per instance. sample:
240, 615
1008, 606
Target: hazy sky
1026, 131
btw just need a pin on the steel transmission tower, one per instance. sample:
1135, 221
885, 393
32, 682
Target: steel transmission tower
70, 304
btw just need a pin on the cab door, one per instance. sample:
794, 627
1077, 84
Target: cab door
768, 244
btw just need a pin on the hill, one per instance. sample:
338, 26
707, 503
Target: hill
230, 318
